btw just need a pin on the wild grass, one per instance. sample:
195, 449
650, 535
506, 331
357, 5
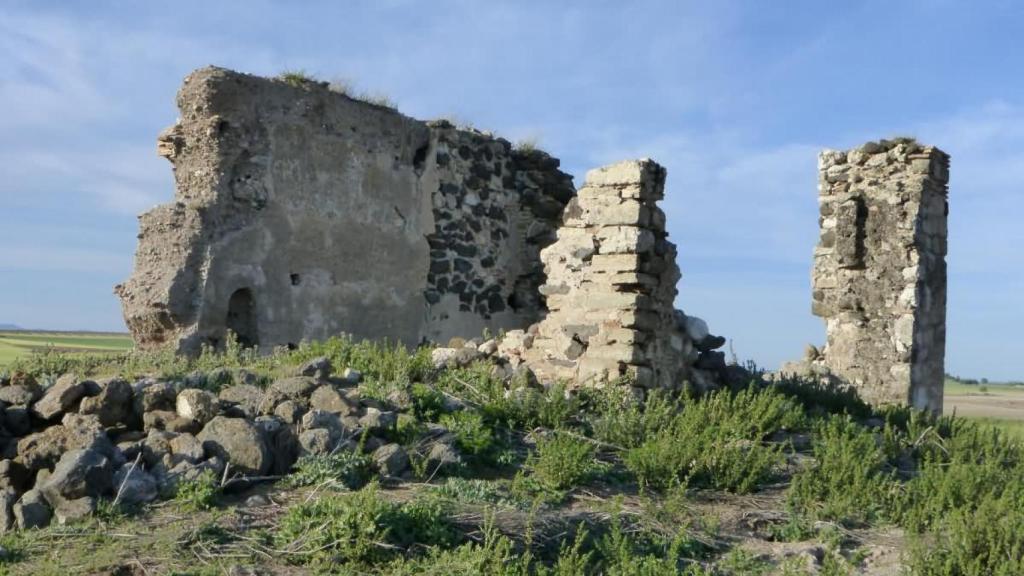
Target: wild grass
340, 470
717, 441
848, 481
201, 493
526, 145
297, 77
360, 528
951, 485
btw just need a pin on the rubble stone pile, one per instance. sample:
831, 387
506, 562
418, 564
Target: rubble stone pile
65, 447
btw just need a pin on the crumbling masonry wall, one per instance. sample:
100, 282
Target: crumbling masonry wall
300, 213
611, 284
880, 271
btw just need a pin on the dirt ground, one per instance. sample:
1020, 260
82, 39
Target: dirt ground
996, 402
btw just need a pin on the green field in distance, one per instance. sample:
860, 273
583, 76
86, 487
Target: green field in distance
15, 344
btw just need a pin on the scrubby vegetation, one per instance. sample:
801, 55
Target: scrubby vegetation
587, 482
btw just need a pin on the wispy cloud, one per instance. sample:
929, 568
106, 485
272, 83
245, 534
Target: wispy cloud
44, 78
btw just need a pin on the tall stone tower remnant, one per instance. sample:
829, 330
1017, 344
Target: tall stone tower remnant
879, 277
611, 283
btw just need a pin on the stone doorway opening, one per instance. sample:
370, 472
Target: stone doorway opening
241, 317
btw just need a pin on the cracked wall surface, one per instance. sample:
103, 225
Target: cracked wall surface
879, 277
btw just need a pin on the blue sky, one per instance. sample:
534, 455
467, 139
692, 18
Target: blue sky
734, 98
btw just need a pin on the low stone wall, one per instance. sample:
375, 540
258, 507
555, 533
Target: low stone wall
880, 271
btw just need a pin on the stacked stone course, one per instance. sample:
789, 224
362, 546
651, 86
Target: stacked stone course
880, 271
611, 283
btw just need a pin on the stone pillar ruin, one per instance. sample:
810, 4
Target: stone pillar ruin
879, 277
611, 283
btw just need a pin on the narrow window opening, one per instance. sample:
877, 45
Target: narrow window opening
419, 159
295, 278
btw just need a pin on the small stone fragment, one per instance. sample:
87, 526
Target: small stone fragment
198, 405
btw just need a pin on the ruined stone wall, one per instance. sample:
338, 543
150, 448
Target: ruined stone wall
300, 213
611, 283
494, 209
880, 271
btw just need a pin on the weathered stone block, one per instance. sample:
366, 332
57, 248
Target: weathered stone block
624, 240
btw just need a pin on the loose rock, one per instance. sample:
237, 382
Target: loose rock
391, 459
198, 405
135, 485
60, 398
329, 399
32, 511
238, 442
112, 405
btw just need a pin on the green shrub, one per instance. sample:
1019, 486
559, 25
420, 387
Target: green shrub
408, 429
848, 481
796, 528
422, 521
385, 366
618, 418
343, 469
427, 402
472, 436
639, 552
738, 466
361, 527
715, 441
297, 78
984, 539
494, 555
974, 465
743, 563
734, 465
829, 396
520, 407
562, 462
201, 493
474, 491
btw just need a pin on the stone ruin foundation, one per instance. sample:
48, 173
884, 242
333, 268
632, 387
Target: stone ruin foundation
301, 213
879, 277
